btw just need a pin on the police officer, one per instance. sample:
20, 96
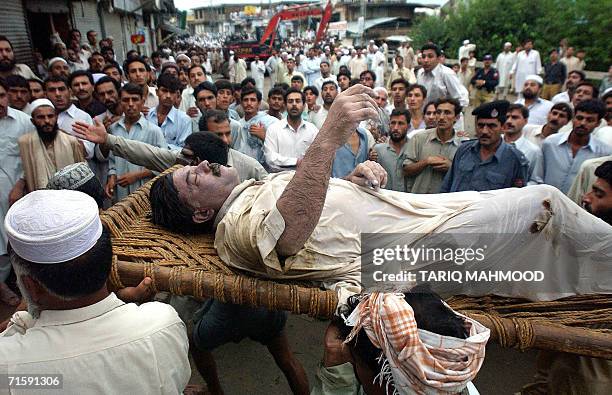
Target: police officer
487, 162
485, 81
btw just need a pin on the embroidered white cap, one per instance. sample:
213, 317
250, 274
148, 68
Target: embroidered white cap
535, 77
40, 103
49, 226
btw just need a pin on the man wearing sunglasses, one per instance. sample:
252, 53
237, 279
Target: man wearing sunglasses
487, 162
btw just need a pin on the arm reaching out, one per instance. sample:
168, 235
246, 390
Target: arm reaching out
302, 200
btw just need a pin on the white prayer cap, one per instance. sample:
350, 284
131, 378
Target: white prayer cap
49, 226
536, 78
57, 59
231, 52
371, 41
507, 44
182, 56
40, 103
466, 42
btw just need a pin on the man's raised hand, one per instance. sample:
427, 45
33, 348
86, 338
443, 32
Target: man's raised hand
350, 107
95, 133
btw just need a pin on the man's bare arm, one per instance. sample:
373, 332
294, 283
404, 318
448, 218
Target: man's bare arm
302, 200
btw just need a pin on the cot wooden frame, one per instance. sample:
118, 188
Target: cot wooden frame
189, 265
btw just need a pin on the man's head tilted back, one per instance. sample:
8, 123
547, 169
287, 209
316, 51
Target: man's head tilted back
188, 199
59, 248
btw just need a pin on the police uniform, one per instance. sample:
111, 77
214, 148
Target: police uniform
486, 92
507, 168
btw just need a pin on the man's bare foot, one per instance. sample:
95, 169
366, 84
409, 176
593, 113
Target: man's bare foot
7, 296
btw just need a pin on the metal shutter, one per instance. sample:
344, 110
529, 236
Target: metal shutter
114, 28
85, 18
13, 24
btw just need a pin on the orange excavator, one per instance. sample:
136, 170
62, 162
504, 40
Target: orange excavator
248, 50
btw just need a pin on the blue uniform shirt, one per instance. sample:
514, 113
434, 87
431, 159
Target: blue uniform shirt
505, 169
346, 161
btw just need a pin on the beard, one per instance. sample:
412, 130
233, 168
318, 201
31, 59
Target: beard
7, 65
396, 138
47, 137
605, 216
528, 94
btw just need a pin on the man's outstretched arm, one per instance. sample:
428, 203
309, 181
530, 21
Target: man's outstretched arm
302, 200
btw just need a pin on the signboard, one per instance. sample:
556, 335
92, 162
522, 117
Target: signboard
337, 29
137, 38
250, 10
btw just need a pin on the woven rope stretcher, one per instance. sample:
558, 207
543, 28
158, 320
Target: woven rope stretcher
189, 265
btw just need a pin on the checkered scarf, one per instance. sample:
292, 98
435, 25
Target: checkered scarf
415, 360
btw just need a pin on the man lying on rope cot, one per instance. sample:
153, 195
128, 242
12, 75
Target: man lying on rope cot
304, 225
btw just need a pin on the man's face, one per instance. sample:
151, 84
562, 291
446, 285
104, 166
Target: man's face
276, 102
569, 52
581, 94
108, 95
59, 69
206, 100
531, 89
96, 63
430, 59
290, 65
554, 56
44, 118
464, 64
92, 37
295, 105
113, 73
573, 79
4, 102
609, 110
182, 63
250, 104
204, 185
297, 84
137, 73
19, 97
329, 93
221, 129
59, 94
171, 71
156, 61
514, 122
488, 131
398, 91
399, 62
430, 117
599, 200
367, 80
76, 36
381, 99
131, 104
72, 56
556, 119
343, 82
415, 99
82, 88
324, 69
196, 77
528, 46
487, 63
311, 99
398, 128
167, 98
445, 115
580, 55
584, 123
225, 97
7, 57
36, 90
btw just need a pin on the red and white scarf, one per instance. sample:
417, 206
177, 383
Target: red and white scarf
415, 360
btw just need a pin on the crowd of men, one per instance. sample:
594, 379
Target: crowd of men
129, 121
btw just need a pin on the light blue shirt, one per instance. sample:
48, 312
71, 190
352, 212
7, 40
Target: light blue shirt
176, 127
312, 70
13, 126
560, 167
249, 144
346, 161
533, 153
143, 131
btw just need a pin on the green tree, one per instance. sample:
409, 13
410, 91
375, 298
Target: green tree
490, 23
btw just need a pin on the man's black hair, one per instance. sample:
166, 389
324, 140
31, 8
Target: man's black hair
297, 78
217, 116
276, 91
397, 112
593, 106
294, 90
329, 82
106, 79
80, 73
208, 146
354, 81
170, 82
282, 85
589, 83
368, 72
205, 86
129, 61
580, 73
56, 78
132, 89
416, 86
565, 107
247, 80
17, 81
224, 84
454, 102
195, 66
400, 81
604, 171
250, 91
433, 47
4, 84
515, 106
78, 277
312, 89
5, 38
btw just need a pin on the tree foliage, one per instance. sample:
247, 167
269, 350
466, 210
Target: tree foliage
489, 23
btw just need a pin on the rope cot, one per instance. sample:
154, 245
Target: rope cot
189, 265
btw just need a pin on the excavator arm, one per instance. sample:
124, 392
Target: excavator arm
299, 12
